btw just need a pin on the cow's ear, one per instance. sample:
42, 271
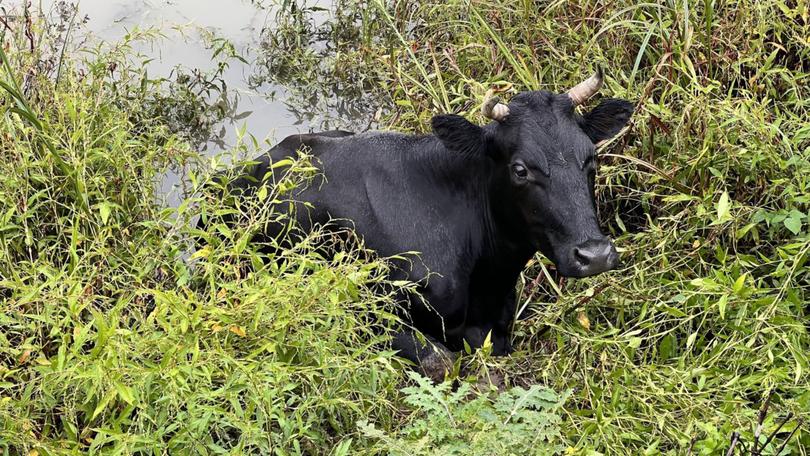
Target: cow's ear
606, 119
458, 133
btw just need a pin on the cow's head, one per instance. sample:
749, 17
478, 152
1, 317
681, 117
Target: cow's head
543, 154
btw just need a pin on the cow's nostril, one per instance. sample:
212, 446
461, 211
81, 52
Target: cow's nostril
583, 256
595, 256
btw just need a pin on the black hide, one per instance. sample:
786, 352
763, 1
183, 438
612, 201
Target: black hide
476, 202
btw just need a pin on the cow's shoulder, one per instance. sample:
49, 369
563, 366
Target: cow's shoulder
254, 172
309, 141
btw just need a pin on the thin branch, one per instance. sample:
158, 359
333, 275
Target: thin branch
65, 44
763, 412
782, 448
4, 16
735, 438
773, 434
691, 446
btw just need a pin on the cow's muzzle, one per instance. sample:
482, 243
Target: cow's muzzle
592, 257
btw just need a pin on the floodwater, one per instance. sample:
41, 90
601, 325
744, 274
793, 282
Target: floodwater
182, 21
239, 21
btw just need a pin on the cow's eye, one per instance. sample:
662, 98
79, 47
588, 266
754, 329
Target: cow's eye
520, 171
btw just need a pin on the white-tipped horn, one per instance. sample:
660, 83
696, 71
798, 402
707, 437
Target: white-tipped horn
581, 92
494, 109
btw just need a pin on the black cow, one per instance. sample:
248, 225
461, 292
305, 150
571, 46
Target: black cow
476, 202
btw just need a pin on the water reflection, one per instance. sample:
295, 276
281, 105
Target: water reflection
325, 63
255, 93
289, 66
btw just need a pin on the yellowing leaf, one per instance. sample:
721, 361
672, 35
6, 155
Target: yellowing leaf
104, 210
281, 163
238, 330
739, 284
721, 306
691, 340
487, 341
203, 252
583, 320
24, 357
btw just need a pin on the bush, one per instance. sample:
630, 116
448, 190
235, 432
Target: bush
114, 339
449, 422
705, 196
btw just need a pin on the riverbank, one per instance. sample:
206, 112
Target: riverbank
115, 338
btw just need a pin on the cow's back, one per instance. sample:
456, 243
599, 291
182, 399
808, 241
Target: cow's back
383, 183
401, 194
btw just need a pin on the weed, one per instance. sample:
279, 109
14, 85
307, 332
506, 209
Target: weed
113, 339
704, 194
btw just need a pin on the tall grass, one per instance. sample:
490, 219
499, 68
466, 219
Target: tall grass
127, 330
114, 339
705, 195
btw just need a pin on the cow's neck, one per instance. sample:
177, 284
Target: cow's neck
509, 241
503, 240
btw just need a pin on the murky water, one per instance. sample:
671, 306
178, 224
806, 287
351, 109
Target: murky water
265, 110
180, 21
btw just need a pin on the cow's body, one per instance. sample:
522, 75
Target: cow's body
475, 203
410, 194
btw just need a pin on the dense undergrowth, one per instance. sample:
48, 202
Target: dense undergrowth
706, 195
114, 339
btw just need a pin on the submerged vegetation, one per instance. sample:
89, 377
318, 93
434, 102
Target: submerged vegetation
115, 338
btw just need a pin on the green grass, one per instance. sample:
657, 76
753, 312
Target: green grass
705, 194
113, 340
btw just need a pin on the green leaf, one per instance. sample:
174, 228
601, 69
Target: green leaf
794, 224
126, 393
104, 211
723, 207
721, 306
103, 403
739, 284
281, 163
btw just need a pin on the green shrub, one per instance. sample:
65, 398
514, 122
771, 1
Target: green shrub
113, 339
449, 422
705, 195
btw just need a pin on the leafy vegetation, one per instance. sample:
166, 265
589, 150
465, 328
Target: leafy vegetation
113, 339
705, 195
448, 422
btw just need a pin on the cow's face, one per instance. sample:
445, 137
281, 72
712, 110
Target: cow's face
545, 167
546, 156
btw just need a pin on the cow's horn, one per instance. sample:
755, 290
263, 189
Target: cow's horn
581, 92
494, 109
